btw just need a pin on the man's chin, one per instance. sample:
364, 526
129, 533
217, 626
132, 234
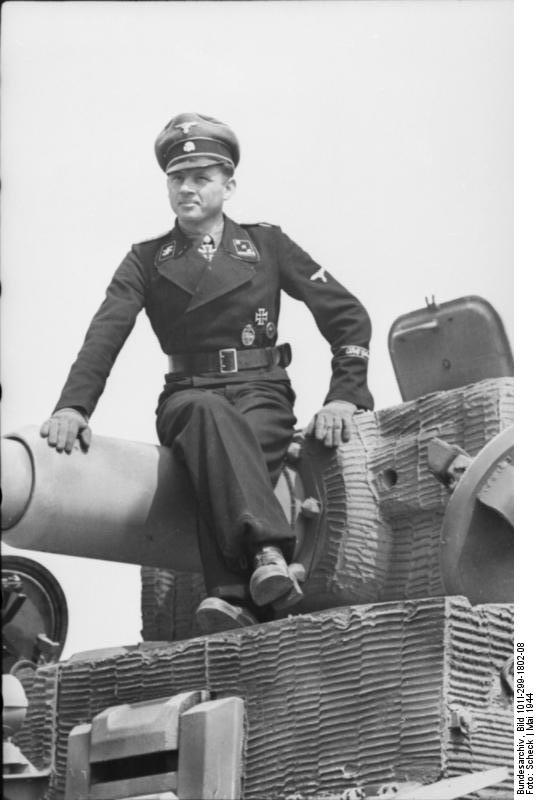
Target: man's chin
189, 212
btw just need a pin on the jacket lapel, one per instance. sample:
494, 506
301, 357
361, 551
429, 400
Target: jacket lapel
232, 266
175, 261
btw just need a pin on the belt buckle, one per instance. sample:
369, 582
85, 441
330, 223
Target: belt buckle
228, 361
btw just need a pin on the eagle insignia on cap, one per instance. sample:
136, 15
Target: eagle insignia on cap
185, 127
188, 147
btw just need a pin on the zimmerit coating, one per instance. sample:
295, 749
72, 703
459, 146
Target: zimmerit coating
475, 685
37, 734
384, 507
334, 699
169, 600
353, 557
415, 504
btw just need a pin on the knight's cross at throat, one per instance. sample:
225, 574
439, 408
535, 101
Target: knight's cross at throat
207, 248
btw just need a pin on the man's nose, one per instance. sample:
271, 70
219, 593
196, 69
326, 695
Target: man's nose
187, 186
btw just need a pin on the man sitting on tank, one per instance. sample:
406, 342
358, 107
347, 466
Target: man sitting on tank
211, 289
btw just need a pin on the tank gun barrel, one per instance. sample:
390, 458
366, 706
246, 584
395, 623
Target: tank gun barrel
120, 501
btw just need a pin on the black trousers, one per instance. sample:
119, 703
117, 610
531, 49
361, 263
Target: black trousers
232, 440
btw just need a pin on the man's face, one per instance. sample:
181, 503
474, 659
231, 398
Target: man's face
197, 195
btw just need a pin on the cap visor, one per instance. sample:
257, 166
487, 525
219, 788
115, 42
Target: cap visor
200, 161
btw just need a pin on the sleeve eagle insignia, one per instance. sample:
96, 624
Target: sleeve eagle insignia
319, 275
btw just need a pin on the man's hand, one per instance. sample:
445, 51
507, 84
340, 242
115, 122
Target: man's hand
332, 425
64, 427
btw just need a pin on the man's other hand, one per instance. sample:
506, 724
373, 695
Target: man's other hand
64, 427
332, 425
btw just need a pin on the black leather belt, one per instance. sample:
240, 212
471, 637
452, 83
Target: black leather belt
229, 360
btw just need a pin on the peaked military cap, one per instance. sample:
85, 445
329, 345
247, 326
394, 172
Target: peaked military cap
195, 140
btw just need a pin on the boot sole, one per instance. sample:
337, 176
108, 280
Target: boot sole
214, 619
268, 584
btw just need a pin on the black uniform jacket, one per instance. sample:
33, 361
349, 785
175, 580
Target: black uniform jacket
232, 302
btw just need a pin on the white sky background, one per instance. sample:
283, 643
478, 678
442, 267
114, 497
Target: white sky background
379, 135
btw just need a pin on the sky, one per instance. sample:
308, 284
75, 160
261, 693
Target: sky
379, 135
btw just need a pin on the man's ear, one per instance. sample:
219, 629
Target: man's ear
230, 188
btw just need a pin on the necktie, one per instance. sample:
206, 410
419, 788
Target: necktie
207, 248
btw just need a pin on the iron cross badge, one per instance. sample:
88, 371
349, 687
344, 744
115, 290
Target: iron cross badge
261, 316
